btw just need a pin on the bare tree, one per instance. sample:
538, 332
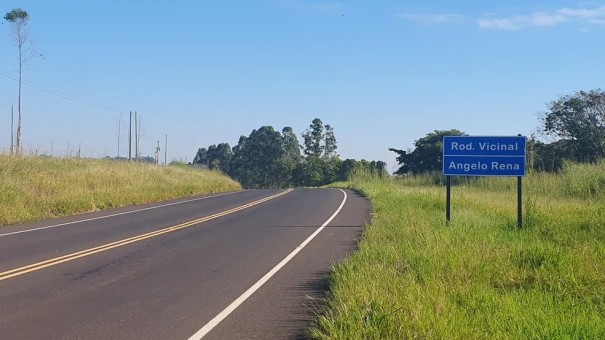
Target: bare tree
19, 33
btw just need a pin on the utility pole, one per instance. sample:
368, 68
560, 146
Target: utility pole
166, 151
139, 138
12, 129
136, 135
157, 154
130, 139
119, 133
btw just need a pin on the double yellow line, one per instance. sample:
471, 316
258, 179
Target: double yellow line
87, 252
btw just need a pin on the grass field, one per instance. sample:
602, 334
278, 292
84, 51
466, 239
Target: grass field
480, 277
34, 188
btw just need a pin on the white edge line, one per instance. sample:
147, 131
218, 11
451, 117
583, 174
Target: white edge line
233, 306
119, 214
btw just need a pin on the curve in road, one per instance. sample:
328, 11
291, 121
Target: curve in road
171, 284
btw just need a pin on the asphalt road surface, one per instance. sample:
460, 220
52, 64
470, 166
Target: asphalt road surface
240, 265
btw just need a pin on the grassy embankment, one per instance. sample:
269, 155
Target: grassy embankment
414, 277
34, 188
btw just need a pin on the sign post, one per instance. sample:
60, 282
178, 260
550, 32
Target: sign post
448, 199
519, 202
485, 156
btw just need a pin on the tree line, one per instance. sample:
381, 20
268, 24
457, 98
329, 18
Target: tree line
572, 128
271, 159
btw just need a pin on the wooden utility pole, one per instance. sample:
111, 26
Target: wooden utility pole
157, 154
12, 129
137, 131
130, 139
138, 135
119, 133
166, 151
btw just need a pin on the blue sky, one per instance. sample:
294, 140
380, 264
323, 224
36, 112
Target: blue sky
382, 73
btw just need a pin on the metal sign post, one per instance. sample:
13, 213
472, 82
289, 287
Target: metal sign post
519, 202
448, 199
485, 156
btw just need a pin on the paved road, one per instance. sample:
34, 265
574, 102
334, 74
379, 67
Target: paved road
179, 269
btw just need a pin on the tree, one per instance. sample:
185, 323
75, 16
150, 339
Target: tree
547, 157
237, 168
290, 145
347, 169
201, 156
319, 140
308, 173
313, 138
578, 118
147, 159
292, 156
329, 142
19, 33
216, 157
270, 159
316, 171
428, 154
219, 157
378, 168
260, 160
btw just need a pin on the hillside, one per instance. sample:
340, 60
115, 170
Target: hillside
34, 188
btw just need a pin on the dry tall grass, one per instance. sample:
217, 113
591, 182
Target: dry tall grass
34, 188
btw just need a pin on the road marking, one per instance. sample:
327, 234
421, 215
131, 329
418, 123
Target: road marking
119, 214
233, 306
87, 252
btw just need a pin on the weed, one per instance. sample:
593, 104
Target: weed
480, 277
34, 188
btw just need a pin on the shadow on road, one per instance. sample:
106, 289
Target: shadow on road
314, 290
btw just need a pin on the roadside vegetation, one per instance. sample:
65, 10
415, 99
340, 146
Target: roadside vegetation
34, 188
480, 277
270, 159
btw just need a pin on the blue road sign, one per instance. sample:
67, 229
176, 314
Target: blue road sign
484, 156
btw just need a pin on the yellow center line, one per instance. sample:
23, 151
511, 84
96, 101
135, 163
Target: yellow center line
87, 252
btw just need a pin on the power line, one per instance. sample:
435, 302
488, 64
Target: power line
57, 94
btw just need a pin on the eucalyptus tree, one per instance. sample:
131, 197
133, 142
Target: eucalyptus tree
329, 142
259, 160
290, 145
20, 34
313, 138
216, 157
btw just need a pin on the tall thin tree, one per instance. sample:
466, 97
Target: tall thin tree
313, 137
329, 142
19, 33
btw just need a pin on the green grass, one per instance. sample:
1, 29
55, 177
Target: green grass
480, 277
34, 188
